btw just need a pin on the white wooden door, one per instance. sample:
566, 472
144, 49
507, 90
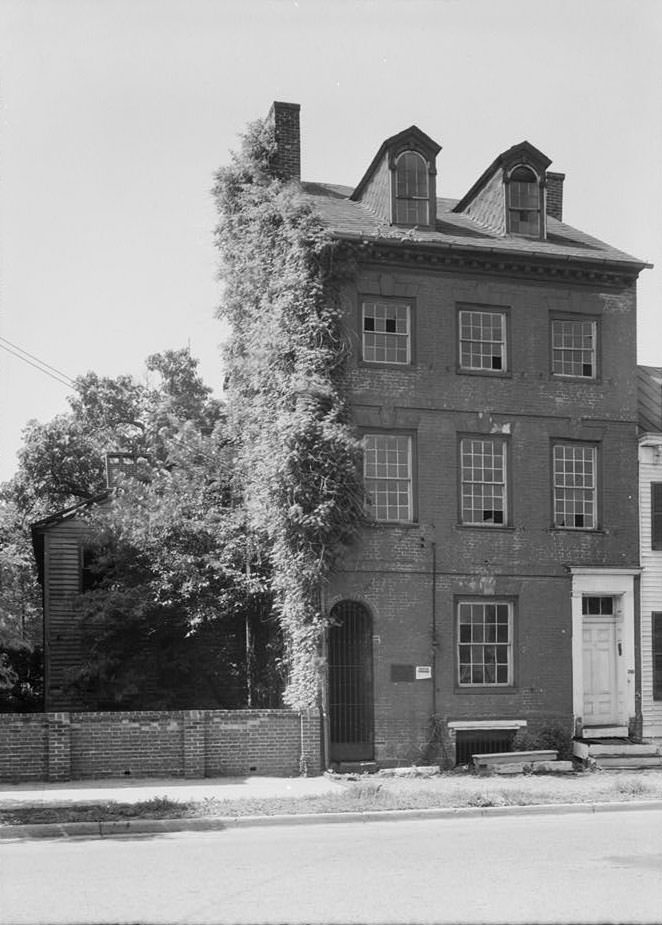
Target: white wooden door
600, 675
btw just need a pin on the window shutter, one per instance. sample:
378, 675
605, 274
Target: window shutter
657, 655
656, 515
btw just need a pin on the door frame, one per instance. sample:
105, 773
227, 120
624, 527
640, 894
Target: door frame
613, 623
334, 753
619, 584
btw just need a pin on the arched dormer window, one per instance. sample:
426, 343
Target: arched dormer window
523, 192
412, 190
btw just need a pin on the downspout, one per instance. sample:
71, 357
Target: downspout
325, 742
435, 641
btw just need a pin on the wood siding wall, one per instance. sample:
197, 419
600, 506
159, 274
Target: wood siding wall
62, 636
650, 470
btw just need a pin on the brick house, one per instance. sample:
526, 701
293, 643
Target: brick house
493, 377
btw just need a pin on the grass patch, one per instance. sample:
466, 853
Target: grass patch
371, 794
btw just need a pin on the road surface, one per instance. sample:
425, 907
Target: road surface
586, 867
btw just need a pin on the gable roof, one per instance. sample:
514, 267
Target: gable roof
39, 527
355, 221
523, 152
411, 137
649, 393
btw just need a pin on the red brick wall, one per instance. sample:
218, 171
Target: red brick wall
23, 747
287, 163
390, 567
195, 743
555, 194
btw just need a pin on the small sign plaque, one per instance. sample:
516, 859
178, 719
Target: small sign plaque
423, 672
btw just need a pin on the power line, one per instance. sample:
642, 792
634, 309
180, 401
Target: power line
33, 357
62, 378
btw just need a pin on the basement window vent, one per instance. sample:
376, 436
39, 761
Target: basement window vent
482, 741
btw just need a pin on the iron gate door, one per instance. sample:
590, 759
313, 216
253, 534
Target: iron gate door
351, 707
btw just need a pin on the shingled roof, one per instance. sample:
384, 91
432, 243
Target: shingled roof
352, 220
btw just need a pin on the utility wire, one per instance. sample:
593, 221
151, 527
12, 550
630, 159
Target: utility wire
42, 367
62, 378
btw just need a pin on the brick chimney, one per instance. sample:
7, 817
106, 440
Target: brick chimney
119, 464
555, 195
287, 163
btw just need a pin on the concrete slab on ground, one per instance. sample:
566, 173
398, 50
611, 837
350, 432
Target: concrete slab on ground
136, 791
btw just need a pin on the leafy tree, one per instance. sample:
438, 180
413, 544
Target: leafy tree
178, 588
175, 583
288, 413
20, 614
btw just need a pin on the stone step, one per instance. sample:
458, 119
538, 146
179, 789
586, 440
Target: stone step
605, 732
637, 761
490, 759
355, 767
627, 749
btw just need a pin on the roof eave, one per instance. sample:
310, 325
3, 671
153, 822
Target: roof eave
432, 246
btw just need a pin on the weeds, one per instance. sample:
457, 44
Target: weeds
370, 795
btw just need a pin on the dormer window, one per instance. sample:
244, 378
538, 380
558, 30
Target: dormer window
412, 190
523, 193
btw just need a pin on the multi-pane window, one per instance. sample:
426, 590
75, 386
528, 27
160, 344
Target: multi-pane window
386, 332
412, 197
597, 605
574, 348
524, 202
485, 642
482, 340
483, 476
387, 470
656, 515
575, 483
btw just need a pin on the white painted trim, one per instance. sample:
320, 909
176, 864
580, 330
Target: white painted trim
487, 724
615, 582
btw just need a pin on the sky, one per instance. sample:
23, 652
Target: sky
115, 115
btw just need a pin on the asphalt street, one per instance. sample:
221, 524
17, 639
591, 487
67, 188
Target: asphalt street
584, 867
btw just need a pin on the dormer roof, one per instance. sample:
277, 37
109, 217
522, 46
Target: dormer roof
522, 153
410, 139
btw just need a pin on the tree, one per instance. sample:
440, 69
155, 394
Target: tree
298, 457
178, 582
174, 577
61, 461
20, 614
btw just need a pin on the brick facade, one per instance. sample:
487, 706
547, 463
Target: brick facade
525, 563
190, 744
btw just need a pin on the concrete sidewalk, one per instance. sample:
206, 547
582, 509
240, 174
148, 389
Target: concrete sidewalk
136, 791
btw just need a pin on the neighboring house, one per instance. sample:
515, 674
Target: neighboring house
59, 548
64, 571
650, 506
493, 377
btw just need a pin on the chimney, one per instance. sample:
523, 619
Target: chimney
118, 465
287, 162
555, 195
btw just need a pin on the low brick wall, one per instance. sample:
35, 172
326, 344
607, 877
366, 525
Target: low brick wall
186, 743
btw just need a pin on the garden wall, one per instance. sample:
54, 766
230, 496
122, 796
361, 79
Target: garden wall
184, 743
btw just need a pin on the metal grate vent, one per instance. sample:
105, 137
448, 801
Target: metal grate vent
482, 741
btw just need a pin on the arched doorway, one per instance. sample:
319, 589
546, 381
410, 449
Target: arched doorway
351, 706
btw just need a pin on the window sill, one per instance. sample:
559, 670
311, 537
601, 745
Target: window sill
405, 524
381, 364
488, 373
505, 528
481, 689
568, 377
581, 530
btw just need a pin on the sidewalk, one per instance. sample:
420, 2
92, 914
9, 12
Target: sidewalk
136, 791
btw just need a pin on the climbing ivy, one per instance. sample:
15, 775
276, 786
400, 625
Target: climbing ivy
298, 456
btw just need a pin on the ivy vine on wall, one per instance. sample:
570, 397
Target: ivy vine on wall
298, 457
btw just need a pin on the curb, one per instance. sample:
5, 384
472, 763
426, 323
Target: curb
219, 823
